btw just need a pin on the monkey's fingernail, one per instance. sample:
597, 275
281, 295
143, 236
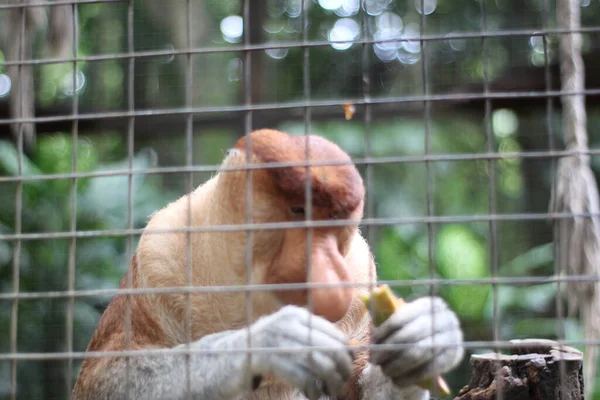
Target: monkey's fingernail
256, 381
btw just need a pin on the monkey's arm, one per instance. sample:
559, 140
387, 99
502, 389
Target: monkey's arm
431, 340
226, 374
165, 376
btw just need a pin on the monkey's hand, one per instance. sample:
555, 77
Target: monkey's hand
316, 372
429, 339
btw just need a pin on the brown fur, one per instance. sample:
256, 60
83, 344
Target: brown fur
110, 333
336, 188
353, 391
218, 258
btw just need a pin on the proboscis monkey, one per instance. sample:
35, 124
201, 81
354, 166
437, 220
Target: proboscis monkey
280, 318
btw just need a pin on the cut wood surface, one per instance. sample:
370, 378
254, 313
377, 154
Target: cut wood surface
537, 369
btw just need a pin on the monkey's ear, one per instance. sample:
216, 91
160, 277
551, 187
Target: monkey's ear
233, 157
233, 152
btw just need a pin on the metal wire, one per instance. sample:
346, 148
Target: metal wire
369, 206
358, 161
312, 104
189, 188
492, 189
73, 216
299, 224
428, 172
130, 153
248, 120
471, 345
294, 286
294, 45
560, 326
14, 311
56, 3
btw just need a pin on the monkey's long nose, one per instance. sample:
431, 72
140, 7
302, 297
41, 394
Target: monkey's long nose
329, 267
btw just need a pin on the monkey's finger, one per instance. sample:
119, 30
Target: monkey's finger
298, 374
304, 378
397, 364
335, 350
301, 316
441, 353
325, 388
426, 307
322, 325
420, 352
418, 329
325, 369
418, 374
329, 329
334, 379
295, 334
313, 390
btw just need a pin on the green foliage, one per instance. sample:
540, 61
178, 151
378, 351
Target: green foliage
47, 207
462, 255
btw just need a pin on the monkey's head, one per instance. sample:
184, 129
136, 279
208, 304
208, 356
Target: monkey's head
279, 195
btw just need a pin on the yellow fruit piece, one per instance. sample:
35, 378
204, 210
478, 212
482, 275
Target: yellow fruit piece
349, 110
382, 303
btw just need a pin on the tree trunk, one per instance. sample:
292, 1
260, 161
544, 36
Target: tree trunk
536, 369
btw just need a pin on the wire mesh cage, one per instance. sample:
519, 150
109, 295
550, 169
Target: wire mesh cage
472, 125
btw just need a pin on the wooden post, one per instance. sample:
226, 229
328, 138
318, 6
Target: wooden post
536, 369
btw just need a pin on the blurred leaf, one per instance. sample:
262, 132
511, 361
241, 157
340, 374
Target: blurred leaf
524, 264
5, 253
523, 299
461, 255
9, 161
536, 327
393, 259
54, 155
468, 301
107, 197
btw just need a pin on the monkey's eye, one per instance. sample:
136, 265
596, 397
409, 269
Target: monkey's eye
297, 211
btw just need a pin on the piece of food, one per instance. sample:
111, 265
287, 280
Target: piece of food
382, 303
348, 110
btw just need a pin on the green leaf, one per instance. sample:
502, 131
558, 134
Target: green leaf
460, 253
9, 161
468, 301
106, 198
523, 264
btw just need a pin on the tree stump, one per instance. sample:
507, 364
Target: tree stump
536, 369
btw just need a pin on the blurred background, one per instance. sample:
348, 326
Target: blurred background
200, 114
